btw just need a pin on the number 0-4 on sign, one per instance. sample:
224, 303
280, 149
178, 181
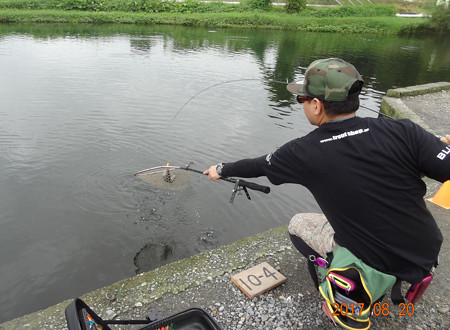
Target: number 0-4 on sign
258, 279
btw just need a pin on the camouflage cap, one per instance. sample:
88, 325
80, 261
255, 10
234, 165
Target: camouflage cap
327, 79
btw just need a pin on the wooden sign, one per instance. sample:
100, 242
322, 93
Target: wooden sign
258, 279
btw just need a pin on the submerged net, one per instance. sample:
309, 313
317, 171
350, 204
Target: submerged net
166, 178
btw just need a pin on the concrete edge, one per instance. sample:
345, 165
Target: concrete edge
149, 287
418, 89
393, 106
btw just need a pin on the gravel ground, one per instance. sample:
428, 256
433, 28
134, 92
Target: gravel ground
293, 305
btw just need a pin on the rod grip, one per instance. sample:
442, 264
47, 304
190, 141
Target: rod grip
254, 186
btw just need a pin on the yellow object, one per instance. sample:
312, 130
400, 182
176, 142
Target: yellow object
442, 197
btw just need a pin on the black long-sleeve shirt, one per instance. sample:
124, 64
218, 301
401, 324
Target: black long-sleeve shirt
365, 174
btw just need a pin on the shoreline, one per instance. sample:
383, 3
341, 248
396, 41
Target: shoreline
244, 20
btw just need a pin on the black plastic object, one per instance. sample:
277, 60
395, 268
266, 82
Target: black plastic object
192, 319
80, 316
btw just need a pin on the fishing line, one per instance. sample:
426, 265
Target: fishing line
253, 79
222, 83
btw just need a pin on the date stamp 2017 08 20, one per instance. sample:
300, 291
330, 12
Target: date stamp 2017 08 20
377, 309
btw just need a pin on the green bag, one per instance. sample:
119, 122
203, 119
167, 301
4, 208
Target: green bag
350, 288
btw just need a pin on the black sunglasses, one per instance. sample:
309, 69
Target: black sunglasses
303, 99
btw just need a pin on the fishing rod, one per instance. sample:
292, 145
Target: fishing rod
378, 112
177, 177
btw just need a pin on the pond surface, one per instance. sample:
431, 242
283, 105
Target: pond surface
83, 107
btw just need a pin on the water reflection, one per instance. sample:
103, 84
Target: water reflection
83, 107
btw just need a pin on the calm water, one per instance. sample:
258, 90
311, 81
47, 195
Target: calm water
84, 107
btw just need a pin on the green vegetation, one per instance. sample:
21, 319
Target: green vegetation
295, 6
295, 15
440, 20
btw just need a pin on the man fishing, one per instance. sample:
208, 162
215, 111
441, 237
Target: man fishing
365, 174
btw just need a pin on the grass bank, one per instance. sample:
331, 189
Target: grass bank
251, 20
253, 14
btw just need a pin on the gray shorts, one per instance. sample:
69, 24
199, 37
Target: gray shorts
315, 230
